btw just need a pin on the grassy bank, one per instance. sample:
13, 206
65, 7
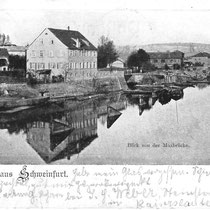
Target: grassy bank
73, 88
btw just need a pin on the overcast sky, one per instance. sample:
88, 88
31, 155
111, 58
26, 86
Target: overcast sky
126, 22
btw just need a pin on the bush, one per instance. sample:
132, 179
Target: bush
148, 67
31, 80
58, 78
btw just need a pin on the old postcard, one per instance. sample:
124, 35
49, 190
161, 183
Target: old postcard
104, 104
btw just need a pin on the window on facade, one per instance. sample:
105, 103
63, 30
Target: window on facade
33, 65
85, 65
41, 53
71, 52
41, 41
162, 60
74, 65
51, 53
52, 42
33, 53
52, 65
41, 66
78, 65
83, 53
59, 65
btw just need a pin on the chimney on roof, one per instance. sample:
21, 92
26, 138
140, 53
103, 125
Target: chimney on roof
68, 28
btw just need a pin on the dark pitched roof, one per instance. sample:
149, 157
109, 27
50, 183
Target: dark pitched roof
202, 54
4, 52
69, 37
166, 55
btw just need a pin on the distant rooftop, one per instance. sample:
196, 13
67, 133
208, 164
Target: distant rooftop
70, 39
14, 48
166, 55
202, 54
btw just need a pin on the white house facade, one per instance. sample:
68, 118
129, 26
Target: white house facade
62, 50
119, 63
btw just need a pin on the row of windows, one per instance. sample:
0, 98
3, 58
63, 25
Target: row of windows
37, 124
165, 60
60, 65
86, 53
61, 53
82, 65
41, 41
42, 53
85, 123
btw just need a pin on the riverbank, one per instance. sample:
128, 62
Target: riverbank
80, 89
169, 76
90, 88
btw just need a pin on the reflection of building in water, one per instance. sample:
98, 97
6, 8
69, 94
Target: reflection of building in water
118, 102
83, 120
64, 136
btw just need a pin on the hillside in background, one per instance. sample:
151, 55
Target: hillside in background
187, 48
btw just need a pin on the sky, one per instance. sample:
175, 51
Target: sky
126, 22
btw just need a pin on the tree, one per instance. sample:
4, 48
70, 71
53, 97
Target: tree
137, 59
106, 52
17, 62
7, 39
4, 39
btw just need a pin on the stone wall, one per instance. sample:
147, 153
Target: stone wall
83, 74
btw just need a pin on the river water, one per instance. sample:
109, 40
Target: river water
149, 130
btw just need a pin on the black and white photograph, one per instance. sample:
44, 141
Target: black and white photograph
104, 104
105, 86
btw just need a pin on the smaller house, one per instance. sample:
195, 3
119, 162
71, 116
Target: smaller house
4, 59
174, 60
202, 58
119, 63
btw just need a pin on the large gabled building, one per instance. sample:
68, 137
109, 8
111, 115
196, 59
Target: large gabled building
60, 50
171, 59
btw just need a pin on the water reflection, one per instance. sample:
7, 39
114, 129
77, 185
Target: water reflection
60, 131
146, 102
63, 131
